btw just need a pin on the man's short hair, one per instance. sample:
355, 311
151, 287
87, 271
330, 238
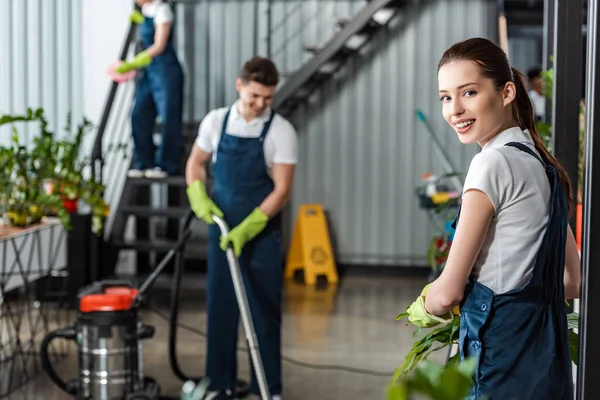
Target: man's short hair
260, 70
534, 72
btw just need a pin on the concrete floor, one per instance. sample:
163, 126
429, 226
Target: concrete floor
349, 325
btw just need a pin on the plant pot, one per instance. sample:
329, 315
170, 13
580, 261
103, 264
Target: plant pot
70, 205
578, 225
19, 219
36, 214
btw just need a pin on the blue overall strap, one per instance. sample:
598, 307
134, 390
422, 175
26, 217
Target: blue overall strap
526, 149
552, 278
267, 126
224, 126
264, 132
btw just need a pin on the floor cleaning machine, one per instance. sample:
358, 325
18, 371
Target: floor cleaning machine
109, 334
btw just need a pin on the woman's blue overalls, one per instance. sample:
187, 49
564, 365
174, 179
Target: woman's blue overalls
241, 183
520, 338
159, 91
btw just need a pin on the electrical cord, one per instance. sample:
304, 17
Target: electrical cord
359, 371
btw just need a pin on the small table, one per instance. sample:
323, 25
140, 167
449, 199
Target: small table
26, 255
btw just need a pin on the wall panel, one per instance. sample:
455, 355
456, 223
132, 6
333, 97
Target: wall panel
40, 61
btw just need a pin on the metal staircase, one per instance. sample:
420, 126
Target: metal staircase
331, 56
135, 200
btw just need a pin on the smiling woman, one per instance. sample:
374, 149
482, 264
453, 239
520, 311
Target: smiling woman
513, 260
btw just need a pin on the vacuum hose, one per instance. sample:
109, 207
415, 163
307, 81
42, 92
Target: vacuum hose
175, 302
243, 388
69, 334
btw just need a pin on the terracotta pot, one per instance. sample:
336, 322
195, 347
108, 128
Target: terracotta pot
578, 225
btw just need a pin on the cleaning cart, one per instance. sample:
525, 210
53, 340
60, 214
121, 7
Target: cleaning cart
439, 196
109, 334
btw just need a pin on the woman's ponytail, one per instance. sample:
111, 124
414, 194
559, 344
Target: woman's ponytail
523, 113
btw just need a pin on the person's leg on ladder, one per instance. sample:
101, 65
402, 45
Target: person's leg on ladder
143, 118
223, 317
171, 114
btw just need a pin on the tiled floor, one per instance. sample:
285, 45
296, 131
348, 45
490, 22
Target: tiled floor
350, 325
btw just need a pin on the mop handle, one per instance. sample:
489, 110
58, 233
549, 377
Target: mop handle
242, 298
437, 145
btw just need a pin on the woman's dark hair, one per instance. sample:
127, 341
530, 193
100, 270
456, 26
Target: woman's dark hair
493, 64
261, 70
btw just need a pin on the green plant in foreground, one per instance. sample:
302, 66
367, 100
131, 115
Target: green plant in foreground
418, 374
436, 382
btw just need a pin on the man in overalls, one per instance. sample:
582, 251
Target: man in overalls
254, 152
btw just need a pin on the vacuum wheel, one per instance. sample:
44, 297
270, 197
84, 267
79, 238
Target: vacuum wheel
151, 391
242, 389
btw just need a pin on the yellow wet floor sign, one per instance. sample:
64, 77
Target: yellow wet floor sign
310, 248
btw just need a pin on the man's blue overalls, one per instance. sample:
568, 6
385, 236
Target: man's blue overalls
520, 338
241, 183
159, 90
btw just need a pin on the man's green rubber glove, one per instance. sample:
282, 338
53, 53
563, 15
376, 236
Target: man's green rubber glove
136, 17
418, 315
245, 231
139, 61
201, 203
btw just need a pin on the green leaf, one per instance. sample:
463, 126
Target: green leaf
436, 382
455, 359
397, 391
573, 320
441, 337
400, 316
574, 346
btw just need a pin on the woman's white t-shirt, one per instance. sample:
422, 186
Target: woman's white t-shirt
519, 189
159, 10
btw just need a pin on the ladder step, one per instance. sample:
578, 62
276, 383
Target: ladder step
314, 48
193, 249
144, 211
176, 180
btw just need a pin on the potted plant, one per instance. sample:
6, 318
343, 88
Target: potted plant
49, 176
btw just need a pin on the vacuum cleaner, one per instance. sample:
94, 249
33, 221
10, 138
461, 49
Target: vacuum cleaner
109, 334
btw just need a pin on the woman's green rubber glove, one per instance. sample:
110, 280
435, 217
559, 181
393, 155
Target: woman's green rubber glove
136, 17
245, 231
201, 203
418, 315
139, 61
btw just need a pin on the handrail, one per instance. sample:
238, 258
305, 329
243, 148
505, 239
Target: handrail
97, 149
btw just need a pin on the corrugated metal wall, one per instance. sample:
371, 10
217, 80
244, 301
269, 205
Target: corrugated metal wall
216, 37
362, 148
40, 61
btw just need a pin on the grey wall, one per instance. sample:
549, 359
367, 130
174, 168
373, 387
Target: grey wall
362, 149
40, 61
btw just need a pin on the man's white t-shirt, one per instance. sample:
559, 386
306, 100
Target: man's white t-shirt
519, 189
539, 103
159, 10
280, 144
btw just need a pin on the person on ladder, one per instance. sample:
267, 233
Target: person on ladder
254, 153
159, 91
